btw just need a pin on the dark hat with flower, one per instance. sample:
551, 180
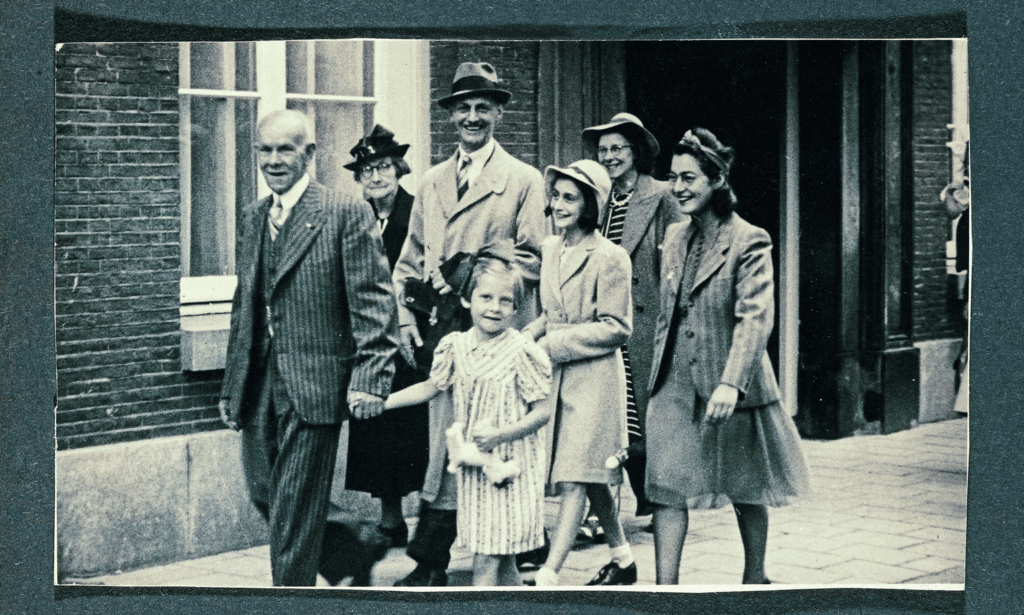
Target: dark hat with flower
379, 143
475, 79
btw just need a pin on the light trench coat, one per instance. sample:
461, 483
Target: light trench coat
506, 201
587, 316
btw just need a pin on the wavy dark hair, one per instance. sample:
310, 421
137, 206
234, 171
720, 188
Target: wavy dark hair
589, 212
723, 199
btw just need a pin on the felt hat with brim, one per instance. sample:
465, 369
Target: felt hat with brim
629, 126
589, 173
378, 144
475, 79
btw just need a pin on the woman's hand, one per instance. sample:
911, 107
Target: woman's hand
722, 404
485, 436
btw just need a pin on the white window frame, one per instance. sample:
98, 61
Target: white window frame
401, 73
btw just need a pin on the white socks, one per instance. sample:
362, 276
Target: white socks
546, 577
622, 554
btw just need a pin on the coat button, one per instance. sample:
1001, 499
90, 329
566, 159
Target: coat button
689, 334
693, 360
639, 309
636, 281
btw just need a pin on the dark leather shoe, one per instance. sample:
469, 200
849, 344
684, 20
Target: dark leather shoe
422, 576
397, 536
612, 574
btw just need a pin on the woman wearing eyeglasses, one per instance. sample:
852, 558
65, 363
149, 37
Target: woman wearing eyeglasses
717, 432
638, 211
387, 455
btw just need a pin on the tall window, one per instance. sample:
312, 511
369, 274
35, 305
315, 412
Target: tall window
224, 88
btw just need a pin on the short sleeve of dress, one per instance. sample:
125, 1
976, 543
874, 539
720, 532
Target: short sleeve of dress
443, 367
533, 372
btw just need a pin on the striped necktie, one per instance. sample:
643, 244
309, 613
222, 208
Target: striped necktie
463, 176
276, 218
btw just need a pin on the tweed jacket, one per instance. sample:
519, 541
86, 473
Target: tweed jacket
587, 316
729, 312
651, 211
332, 308
505, 202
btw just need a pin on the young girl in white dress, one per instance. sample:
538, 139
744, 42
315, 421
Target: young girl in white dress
494, 374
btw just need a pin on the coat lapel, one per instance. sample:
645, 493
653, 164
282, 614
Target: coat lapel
492, 178
640, 213
577, 258
715, 257
303, 225
445, 187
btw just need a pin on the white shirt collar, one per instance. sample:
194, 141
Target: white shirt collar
480, 156
292, 196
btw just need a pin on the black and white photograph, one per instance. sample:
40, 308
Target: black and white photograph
428, 315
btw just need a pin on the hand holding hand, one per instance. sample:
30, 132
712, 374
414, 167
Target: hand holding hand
225, 414
485, 436
364, 405
722, 404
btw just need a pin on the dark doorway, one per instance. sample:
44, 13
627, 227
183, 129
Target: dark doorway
737, 90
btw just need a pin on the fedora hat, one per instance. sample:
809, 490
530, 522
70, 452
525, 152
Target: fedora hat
627, 124
588, 173
475, 79
379, 143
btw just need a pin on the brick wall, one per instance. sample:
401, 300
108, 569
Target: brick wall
516, 64
117, 256
935, 313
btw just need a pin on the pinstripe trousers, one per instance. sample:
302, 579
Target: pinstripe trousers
289, 466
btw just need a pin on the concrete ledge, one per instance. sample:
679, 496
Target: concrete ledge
937, 379
123, 506
126, 506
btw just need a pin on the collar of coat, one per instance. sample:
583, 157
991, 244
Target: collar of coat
714, 256
578, 256
493, 178
300, 229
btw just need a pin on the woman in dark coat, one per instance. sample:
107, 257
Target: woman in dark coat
387, 455
717, 432
638, 211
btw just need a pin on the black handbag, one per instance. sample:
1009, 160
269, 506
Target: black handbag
438, 315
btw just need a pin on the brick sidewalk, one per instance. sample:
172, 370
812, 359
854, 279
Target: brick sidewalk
884, 510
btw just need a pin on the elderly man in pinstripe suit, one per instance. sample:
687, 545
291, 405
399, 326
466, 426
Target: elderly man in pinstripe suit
313, 338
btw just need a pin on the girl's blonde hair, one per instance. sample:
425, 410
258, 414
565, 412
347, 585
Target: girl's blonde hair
497, 259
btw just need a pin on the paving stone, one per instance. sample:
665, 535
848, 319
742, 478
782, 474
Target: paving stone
785, 574
951, 550
958, 537
882, 555
805, 559
892, 541
872, 572
933, 564
952, 575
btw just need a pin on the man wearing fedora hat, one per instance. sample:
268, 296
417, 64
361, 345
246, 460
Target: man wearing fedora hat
478, 196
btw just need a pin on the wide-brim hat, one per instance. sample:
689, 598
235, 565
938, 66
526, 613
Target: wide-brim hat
475, 79
627, 124
379, 143
588, 173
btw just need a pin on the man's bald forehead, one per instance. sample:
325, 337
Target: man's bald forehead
294, 122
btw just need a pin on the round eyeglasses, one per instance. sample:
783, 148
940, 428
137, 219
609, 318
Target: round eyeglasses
385, 167
614, 150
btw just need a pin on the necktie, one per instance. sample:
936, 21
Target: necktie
276, 218
463, 176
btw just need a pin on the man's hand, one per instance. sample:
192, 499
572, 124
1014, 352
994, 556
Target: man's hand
363, 405
410, 341
437, 280
222, 407
722, 404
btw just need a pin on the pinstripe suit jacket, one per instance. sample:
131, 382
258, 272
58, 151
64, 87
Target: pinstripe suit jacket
730, 312
332, 307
